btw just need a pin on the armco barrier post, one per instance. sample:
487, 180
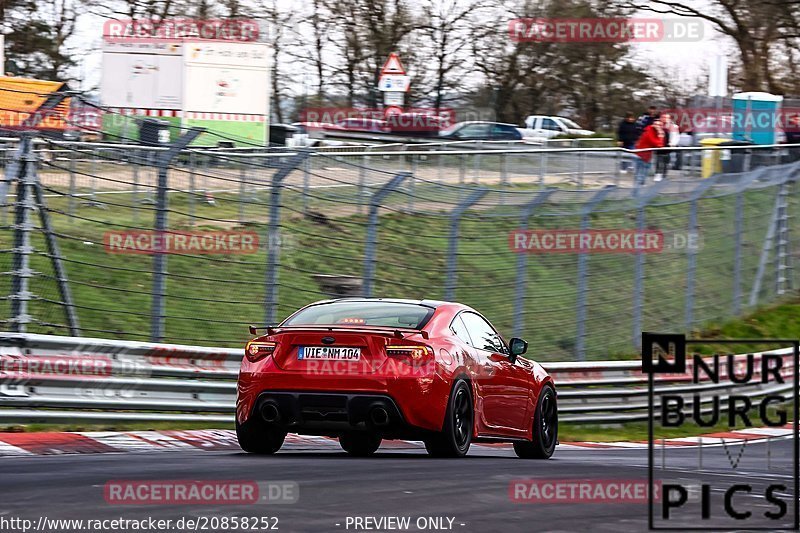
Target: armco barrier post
157, 312
274, 233
372, 229
452, 241
583, 260
522, 261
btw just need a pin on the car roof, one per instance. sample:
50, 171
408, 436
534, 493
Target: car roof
484, 122
433, 304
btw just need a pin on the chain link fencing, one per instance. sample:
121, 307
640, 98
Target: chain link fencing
188, 245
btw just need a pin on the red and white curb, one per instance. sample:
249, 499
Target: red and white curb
25, 444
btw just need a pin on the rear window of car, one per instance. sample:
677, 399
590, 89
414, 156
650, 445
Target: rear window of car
359, 313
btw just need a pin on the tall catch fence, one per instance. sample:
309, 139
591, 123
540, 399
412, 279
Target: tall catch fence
97, 241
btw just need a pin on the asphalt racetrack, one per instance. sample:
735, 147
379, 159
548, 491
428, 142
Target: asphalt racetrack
473, 492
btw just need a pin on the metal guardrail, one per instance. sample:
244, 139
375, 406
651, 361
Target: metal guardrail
45, 378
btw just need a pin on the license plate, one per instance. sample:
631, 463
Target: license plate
329, 353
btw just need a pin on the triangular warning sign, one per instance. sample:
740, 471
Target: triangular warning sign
393, 65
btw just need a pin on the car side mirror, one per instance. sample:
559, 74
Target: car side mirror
517, 347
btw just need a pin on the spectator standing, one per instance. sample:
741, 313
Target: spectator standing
652, 137
627, 134
672, 137
646, 119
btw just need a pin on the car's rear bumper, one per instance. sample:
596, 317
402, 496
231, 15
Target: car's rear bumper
331, 413
337, 402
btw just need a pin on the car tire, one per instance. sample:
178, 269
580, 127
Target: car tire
545, 428
256, 436
359, 444
456, 435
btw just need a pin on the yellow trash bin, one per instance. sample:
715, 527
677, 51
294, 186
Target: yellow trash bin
712, 159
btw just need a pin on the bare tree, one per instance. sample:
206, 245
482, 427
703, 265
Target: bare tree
37, 37
278, 37
755, 26
447, 25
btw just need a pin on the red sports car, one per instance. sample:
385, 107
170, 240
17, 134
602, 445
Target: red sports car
364, 370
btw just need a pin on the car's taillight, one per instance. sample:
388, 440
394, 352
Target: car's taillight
412, 354
256, 350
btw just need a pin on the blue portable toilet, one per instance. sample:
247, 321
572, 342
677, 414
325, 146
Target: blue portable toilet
756, 117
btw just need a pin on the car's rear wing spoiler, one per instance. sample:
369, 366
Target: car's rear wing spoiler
399, 333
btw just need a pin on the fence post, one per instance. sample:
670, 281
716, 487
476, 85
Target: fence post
54, 251
274, 234
242, 189
738, 229
192, 189
762, 262
522, 260
12, 173
691, 252
163, 160
583, 265
738, 225
362, 172
72, 189
307, 184
452, 244
21, 273
542, 167
783, 257
372, 230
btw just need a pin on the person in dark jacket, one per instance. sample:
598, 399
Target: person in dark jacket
627, 134
646, 119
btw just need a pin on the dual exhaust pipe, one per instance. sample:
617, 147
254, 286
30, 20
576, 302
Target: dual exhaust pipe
270, 413
379, 416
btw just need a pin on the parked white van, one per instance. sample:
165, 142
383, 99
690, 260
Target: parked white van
540, 127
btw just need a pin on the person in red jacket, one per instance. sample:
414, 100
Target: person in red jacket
652, 137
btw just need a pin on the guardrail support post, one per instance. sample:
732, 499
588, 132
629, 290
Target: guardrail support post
522, 261
583, 266
274, 235
157, 311
372, 229
452, 244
